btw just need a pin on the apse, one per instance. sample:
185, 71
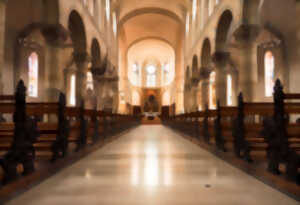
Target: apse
151, 64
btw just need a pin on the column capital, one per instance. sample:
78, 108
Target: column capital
220, 58
81, 57
246, 33
55, 34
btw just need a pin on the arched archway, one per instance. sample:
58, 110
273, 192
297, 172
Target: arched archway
206, 54
96, 54
77, 32
195, 66
223, 30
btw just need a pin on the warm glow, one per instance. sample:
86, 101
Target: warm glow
136, 98
187, 27
73, 91
194, 9
269, 73
229, 90
151, 76
212, 91
167, 98
107, 3
151, 169
89, 81
115, 23
33, 75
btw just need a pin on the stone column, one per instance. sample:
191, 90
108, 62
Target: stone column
82, 60
221, 61
55, 36
246, 55
205, 86
2, 39
53, 73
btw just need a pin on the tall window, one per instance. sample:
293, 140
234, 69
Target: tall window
212, 91
89, 81
269, 73
166, 74
33, 75
115, 23
107, 8
229, 90
187, 26
194, 9
151, 76
136, 74
199, 97
73, 90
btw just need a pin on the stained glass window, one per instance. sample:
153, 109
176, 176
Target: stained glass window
33, 75
151, 76
269, 73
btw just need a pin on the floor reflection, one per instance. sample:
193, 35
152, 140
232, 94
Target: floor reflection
150, 168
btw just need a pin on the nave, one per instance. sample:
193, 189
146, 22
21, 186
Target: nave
152, 165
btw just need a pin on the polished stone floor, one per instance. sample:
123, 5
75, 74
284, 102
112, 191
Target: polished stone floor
152, 165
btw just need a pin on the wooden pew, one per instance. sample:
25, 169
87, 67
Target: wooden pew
282, 135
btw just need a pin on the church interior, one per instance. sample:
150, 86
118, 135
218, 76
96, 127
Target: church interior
150, 102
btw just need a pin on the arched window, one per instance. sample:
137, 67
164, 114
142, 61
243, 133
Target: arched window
107, 8
115, 23
269, 73
166, 98
73, 90
166, 74
151, 76
33, 75
229, 90
199, 97
136, 74
212, 91
195, 9
136, 98
187, 26
89, 81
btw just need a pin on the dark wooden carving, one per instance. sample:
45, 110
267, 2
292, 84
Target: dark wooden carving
82, 141
25, 135
275, 133
95, 121
60, 146
241, 146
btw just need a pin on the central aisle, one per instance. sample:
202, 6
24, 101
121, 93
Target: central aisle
152, 165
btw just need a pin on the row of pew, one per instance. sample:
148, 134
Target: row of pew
258, 132
35, 133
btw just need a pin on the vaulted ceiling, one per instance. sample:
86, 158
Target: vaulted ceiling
145, 19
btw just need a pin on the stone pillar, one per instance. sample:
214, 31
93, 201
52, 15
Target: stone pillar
2, 39
246, 55
205, 86
53, 74
82, 61
221, 61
